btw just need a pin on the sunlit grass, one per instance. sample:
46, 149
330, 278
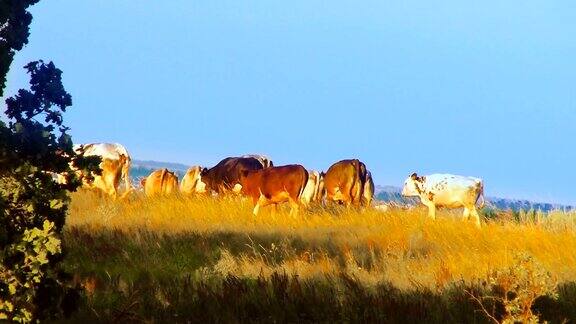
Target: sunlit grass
401, 247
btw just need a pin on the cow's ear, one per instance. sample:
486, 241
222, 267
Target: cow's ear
204, 171
322, 174
414, 176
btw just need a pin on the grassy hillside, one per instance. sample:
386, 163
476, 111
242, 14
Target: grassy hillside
172, 259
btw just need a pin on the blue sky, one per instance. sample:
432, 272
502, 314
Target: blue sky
482, 88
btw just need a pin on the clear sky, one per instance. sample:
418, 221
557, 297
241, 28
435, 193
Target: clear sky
482, 88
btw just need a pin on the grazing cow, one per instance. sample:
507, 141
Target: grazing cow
264, 160
274, 185
115, 165
344, 182
160, 182
446, 190
192, 181
314, 187
368, 192
225, 176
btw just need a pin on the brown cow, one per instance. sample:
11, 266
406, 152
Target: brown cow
224, 176
264, 160
344, 182
275, 185
160, 182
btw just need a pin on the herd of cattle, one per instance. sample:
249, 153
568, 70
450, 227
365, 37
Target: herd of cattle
346, 182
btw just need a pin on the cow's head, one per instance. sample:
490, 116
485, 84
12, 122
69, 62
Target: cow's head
413, 185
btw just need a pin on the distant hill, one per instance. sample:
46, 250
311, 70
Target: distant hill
391, 193
141, 168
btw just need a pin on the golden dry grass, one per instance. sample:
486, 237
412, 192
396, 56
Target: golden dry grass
402, 247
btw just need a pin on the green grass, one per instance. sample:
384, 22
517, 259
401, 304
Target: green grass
146, 276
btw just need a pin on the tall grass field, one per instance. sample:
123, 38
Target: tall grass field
202, 259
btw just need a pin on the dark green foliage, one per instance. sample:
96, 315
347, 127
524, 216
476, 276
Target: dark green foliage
34, 146
30, 150
14, 32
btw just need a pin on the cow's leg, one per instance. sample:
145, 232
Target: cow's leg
256, 209
431, 210
294, 207
274, 210
107, 185
261, 202
475, 216
466, 213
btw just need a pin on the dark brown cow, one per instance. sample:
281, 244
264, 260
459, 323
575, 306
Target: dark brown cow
344, 182
224, 176
275, 185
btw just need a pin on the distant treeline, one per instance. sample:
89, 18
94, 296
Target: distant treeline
391, 195
141, 169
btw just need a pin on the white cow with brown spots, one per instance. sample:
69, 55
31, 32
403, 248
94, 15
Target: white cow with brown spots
446, 190
115, 166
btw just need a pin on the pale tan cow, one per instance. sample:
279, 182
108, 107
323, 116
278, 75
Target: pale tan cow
192, 181
345, 182
160, 182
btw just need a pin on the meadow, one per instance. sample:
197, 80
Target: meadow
182, 259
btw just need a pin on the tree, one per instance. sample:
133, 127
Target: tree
33, 147
14, 31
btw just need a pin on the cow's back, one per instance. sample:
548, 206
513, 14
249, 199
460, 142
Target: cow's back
289, 178
224, 175
453, 190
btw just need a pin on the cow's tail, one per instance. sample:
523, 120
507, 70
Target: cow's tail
481, 197
126, 163
305, 182
163, 179
360, 179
